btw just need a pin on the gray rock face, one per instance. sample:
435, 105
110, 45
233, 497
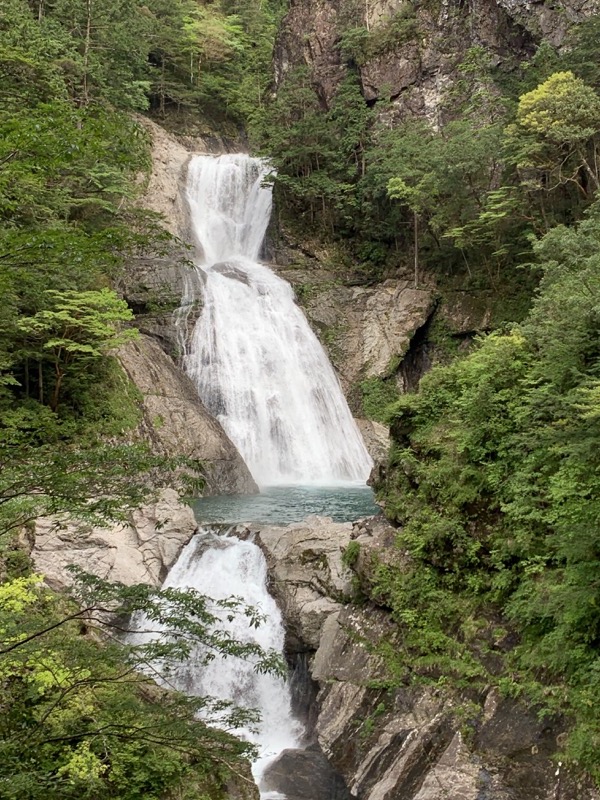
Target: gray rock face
163, 192
374, 325
403, 742
366, 330
307, 576
176, 423
139, 552
154, 285
304, 775
417, 73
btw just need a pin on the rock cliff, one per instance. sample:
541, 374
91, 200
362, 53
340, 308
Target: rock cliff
417, 58
391, 742
153, 285
141, 551
175, 423
417, 71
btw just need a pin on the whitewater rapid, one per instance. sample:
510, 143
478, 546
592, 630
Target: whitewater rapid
222, 568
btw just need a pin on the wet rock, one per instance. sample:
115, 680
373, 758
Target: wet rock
230, 270
376, 540
376, 437
387, 740
141, 551
345, 652
304, 775
162, 193
175, 422
307, 576
370, 327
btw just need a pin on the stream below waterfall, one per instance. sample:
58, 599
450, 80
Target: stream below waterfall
261, 371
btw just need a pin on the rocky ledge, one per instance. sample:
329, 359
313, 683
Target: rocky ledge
387, 742
140, 551
176, 423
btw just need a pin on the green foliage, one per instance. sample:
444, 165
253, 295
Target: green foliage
494, 479
556, 134
82, 720
462, 200
351, 553
78, 716
358, 45
377, 397
76, 330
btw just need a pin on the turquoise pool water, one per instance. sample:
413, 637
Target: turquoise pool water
280, 505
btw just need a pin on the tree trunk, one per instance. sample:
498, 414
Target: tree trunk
86, 52
416, 230
57, 387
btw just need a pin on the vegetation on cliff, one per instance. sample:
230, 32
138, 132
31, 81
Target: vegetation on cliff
516, 153
493, 478
78, 719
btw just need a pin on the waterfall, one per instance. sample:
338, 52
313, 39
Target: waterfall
262, 372
258, 366
221, 567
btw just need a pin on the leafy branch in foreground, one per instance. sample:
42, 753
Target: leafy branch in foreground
99, 483
81, 716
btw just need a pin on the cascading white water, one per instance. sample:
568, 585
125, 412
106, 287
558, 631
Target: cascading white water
257, 364
222, 567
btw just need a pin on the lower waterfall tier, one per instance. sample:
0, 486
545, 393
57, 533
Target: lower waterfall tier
223, 568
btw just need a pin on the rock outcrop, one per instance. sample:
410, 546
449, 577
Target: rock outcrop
307, 576
369, 328
175, 423
431, 41
141, 551
366, 330
388, 741
304, 774
153, 284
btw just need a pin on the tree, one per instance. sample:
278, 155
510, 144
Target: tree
556, 134
78, 329
82, 716
494, 477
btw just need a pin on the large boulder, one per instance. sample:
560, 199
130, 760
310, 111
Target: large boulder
307, 575
304, 775
175, 422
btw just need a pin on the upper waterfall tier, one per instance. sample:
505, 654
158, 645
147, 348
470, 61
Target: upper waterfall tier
230, 208
257, 364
